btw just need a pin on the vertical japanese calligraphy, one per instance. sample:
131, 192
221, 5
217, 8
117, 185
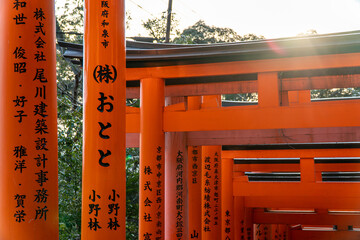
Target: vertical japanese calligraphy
262, 232
249, 226
194, 185
217, 174
29, 121
211, 214
105, 23
227, 202
283, 232
180, 195
243, 226
207, 196
103, 206
176, 175
152, 142
278, 231
159, 192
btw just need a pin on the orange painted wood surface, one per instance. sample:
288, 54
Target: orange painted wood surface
320, 114
320, 82
176, 181
195, 189
269, 93
345, 167
262, 232
242, 67
265, 136
292, 218
274, 136
28, 162
287, 84
324, 235
103, 206
211, 187
152, 160
243, 221
227, 200
294, 153
283, 189
301, 202
278, 232
307, 169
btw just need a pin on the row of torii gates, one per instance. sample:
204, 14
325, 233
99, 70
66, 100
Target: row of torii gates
286, 167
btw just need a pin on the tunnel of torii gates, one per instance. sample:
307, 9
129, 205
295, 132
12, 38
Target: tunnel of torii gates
284, 167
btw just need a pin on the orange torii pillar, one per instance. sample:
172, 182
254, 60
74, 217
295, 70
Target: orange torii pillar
262, 232
243, 219
211, 187
194, 180
279, 232
299, 97
227, 199
176, 185
274, 228
152, 141
211, 181
284, 232
104, 186
244, 227
269, 90
194, 186
28, 163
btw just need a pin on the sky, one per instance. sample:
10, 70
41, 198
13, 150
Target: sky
270, 18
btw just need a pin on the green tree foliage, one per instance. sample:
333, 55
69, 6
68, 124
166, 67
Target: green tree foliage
335, 93
70, 162
201, 33
69, 76
308, 33
241, 97
156, 27
132, 193
70, 20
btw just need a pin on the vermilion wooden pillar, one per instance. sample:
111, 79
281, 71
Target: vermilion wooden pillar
269, 89
244, 228
287, 235
176, 181
227, 199
152, 141
283, 232
296, 97
194, 186
211, 192
278, 232
28, 117
211, 181
307, 169
104, 187
249, 226
274, 228
262, 232
194, 180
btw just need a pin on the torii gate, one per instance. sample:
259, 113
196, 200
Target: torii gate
189, 186
282, 72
